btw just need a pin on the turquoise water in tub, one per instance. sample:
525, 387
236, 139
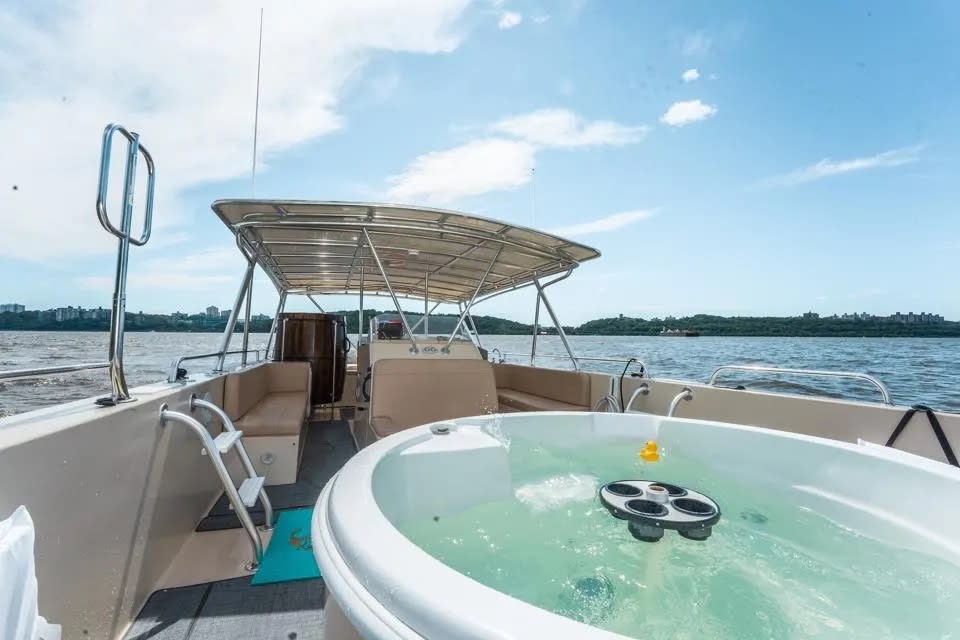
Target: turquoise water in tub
772, 569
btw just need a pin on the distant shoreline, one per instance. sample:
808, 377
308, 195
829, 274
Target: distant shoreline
806, 326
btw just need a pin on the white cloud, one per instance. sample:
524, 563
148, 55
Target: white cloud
683, 113
209, 270
540, 18
509, 20
696, 44
564, 128
497, 163
690, 75
441, 177
182, 74
611, 222
827, 168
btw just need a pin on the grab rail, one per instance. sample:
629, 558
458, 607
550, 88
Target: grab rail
41, 371
609, 401
118, 382
882, 388
175, 365
640, 362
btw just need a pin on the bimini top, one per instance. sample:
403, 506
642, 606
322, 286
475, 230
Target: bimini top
341, 247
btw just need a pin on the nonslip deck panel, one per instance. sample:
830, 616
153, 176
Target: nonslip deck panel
328, 447
233, 609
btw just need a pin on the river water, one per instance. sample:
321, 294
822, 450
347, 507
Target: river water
916, 370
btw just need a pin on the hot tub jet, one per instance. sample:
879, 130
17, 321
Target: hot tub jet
651, 507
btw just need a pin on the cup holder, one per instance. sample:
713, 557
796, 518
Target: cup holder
647, 508
693, 507
623, 489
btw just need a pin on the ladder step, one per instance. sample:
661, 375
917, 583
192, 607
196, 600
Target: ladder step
226, 440
249, 490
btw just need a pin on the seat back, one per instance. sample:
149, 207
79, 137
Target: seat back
572, 387
244, 389
408, 392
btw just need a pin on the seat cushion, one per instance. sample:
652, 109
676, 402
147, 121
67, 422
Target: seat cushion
408, 392
511, 399
277, 414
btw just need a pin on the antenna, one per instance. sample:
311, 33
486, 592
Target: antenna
533, 192
256, 114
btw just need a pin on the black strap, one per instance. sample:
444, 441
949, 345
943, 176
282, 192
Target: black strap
934, 424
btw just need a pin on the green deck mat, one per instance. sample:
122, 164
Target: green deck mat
289, 555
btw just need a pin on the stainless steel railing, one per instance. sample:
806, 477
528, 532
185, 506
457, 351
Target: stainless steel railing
43, 371
175, 365
806, 372
623, 360
119, 391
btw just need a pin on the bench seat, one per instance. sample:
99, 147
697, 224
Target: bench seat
522, 388
270, 403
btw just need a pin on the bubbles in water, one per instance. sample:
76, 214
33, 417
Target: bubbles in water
587, 600
558, 491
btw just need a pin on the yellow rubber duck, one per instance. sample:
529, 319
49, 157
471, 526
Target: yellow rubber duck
649, 453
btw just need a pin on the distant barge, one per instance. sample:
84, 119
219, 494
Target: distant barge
679, 333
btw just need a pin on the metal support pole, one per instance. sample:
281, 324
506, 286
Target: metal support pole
276, 322
426, 302
556, 323
432, 309
360, 311
232, 494
118, 381
246, 325
232, 320
536, 330
315, 303
476, 291
473, 325
242, 452
386, 280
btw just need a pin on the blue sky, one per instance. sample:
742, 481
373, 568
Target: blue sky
729, 158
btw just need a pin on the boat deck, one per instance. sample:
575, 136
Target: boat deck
233, 608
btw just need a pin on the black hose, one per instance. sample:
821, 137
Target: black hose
623, 373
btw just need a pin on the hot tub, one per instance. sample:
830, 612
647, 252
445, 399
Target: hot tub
492, 527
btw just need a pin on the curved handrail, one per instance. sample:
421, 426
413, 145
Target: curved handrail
882, 388
175, 365
609, 401
685, 394
134, 149
643, 389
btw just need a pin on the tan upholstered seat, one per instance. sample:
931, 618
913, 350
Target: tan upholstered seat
270, 399
521, 388
409, 392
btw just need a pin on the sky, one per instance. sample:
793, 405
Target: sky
725, 157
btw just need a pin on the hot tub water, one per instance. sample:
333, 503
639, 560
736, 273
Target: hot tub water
773, 568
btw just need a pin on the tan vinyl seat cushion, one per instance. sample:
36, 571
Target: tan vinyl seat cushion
269, 400
521, 388
408, 392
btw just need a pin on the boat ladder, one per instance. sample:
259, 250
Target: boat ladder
243, 497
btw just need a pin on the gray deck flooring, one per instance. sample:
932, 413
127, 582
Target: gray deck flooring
328, 446
233, 609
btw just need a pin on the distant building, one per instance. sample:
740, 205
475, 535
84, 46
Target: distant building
810, 315
12, 308
213, 312
67, 313
225, 314
95, 314
260, 317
